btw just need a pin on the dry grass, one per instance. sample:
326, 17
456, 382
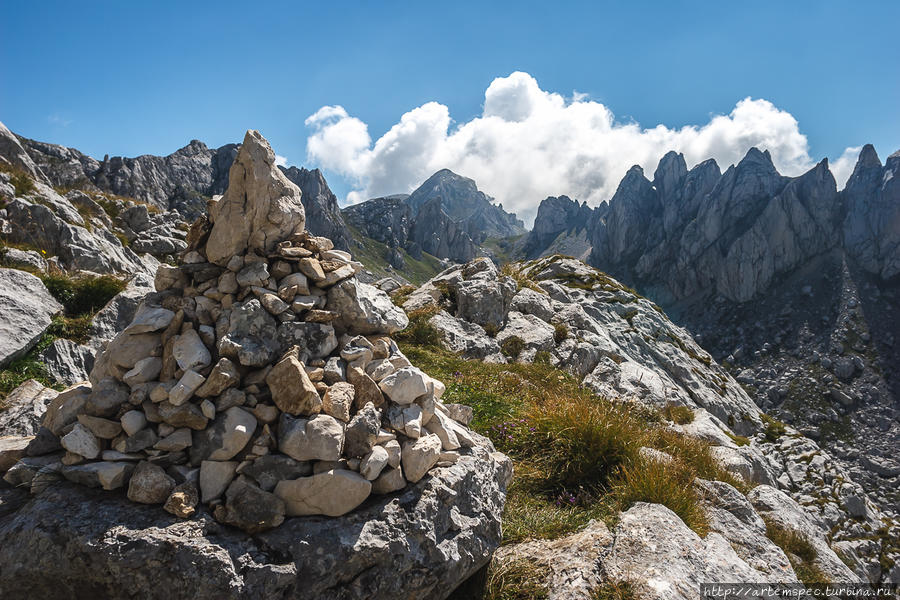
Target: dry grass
681, 415
521, 276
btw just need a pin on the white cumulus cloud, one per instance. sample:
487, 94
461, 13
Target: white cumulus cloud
842, 167
529, 143
281, 161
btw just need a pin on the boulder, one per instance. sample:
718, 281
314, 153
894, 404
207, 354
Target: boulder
25, 407
260, 208
332, 493
148, 552
25, 311
227, 435
364, 309
663, 559
292, 391
149, 484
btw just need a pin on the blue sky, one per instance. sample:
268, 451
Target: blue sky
128, 78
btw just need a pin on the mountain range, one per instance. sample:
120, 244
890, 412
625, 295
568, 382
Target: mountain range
790, 283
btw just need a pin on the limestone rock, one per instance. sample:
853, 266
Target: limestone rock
405, 385
418, 522
654, 550
418, 456
268, 470
338, 400
67, 362
25, 310
364, 309
81, 441
223, 376
183, 500
190, 352
26, 406
227, 435
292, 391
332, 493
215, 477
251, 335
319, 438
149, 484
251, 509
362, 431
182, 391
261, 206
105, 474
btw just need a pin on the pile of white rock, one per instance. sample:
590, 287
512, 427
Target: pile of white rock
259, 379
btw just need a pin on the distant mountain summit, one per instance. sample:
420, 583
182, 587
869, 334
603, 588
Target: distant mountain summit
464, 203
447, 217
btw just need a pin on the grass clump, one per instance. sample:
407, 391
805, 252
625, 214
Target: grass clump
577, 456
774, 428
521, 276
77, 329
516, 580
491, 329
682, 415
740, 440
669, 483
512, 347
82, 295
24, 368
22, 183
799, 551
614, 590
420, 331
402, 294
543, 357
583, 442
560, 332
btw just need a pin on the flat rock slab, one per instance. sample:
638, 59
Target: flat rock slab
25, 310
72, 541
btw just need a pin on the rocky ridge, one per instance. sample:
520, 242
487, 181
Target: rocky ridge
179, 183
257, 383
623, 346
779, 277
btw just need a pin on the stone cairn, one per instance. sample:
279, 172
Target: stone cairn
259, 379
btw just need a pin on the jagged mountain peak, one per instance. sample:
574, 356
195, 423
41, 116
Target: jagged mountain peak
671, 170
755, 156
868, 158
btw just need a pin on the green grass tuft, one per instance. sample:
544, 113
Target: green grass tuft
560, 333
420, 331
515, 580
512, 347
662, 482
82, 295
774, 428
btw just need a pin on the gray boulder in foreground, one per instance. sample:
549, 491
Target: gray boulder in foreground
25, 310
74, 542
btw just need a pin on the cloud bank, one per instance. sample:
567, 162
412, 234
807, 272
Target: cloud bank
529, 143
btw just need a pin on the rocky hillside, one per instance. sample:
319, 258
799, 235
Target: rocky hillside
269, 436
558, 311
181, 182
785, 279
